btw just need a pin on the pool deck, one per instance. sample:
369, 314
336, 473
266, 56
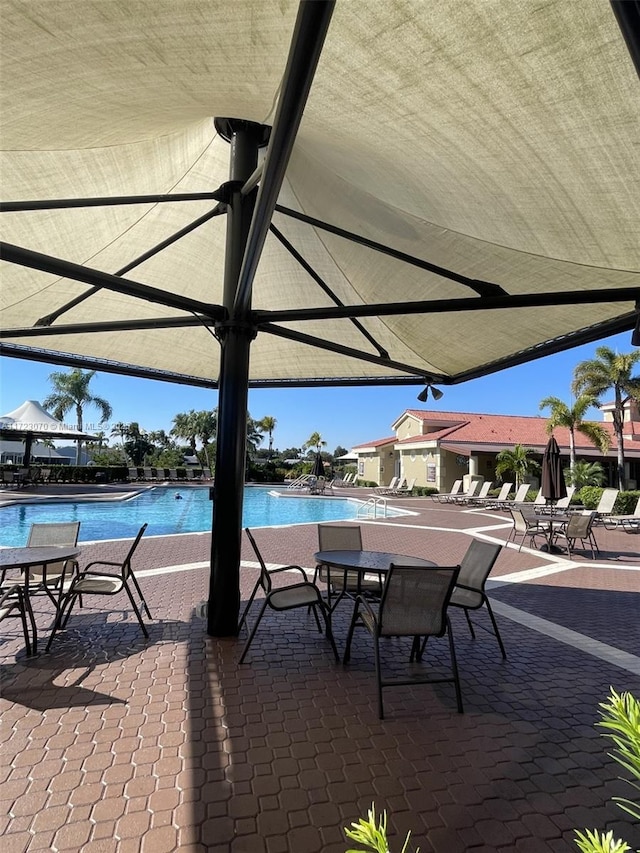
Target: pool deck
117, 744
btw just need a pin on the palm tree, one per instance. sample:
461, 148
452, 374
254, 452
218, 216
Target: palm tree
254, 436
185, 427
315, 440
71, 390
585, 474
610, 370
120, 429
571, 417
205, 424
268, 424
517, 462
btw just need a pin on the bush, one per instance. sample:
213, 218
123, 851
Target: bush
621, 719
624, 505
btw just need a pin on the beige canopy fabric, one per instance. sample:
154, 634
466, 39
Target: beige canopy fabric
493, 138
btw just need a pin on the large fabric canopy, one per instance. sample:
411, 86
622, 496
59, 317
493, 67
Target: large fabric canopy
490, 141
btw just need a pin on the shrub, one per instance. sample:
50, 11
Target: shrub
621, 720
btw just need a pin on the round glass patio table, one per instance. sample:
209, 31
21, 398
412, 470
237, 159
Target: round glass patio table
364, 562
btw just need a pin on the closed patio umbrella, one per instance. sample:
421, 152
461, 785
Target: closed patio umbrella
318, 466
553, 484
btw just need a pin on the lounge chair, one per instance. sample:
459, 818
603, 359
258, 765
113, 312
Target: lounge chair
518, 499
482, 494
606, 504
133, 474
562, 505
386, 490
407, 489
629, 522
474, 485
495, 501
444, 498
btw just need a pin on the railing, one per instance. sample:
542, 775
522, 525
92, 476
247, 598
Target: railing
374, 507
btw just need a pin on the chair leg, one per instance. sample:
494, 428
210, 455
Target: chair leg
352, 625
136, 611
245, 612
495, 627
143, 600
469, 623
326, 615
314, 608
376, 658
22, 609
454, 666
28, 611
253, 630
61, 620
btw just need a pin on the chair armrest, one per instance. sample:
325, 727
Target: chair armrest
101, 563
466, 586
288, 569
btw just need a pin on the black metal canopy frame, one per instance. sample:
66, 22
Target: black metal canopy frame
249, 200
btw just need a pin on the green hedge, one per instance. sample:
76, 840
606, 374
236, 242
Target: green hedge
589, 497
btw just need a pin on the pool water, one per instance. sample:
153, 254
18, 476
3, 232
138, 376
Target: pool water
166, 515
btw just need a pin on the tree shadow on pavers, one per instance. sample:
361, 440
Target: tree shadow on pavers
55, 679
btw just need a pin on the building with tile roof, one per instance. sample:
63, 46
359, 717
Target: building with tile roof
437, 448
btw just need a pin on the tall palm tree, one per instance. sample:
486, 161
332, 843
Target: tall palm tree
315, 440
186, 428
608, 371
71, 391
119, 429
205, 424
517, 462
268, 424
571, 417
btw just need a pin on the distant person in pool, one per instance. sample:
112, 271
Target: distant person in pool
178, 497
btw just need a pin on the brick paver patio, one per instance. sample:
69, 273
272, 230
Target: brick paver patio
114, 744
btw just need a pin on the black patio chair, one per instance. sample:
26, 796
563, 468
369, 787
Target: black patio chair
90, 582
414, 604
303, 594
469, 592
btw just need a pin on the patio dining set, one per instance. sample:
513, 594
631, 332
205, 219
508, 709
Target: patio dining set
48, 566
390, 595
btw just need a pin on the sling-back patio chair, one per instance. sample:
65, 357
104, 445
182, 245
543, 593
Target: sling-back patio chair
579, 528
414, 604
525, 524
343, 537
469, 592
464, 497
52, 579
103, 583
303, 593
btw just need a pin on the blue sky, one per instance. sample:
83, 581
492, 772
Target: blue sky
343, 416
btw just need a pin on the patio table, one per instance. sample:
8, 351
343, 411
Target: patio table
364, 562
24, 559
549, 522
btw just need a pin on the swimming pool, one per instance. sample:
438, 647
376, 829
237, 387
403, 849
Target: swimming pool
166, 515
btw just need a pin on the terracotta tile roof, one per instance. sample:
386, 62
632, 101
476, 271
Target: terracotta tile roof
501, 430
376, 442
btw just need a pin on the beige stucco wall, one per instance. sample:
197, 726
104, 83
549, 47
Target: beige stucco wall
409, 426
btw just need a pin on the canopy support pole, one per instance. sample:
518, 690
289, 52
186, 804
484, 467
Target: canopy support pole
235, 336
